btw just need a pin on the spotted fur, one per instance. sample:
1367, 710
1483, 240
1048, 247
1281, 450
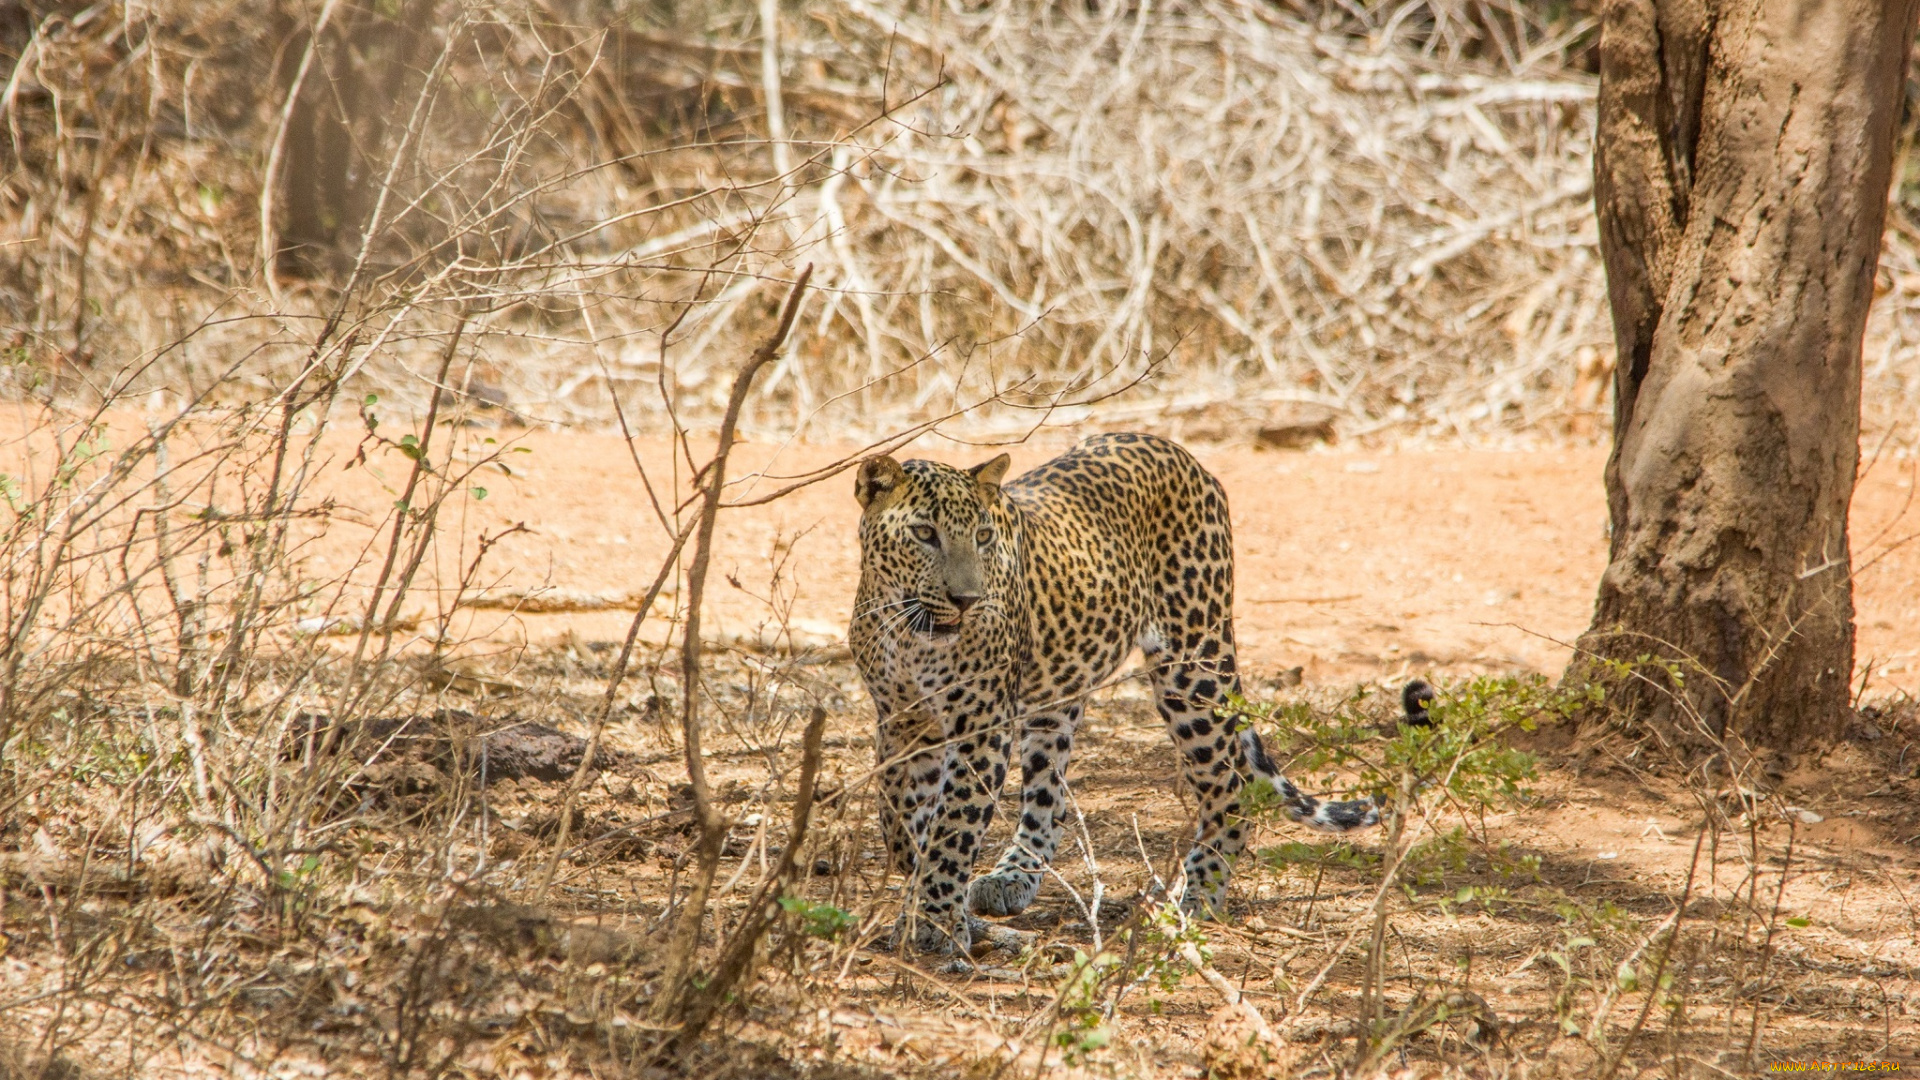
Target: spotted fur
981, 604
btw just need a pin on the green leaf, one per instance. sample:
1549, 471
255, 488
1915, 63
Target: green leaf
1799, 922
479, 493
819, 920
372, 400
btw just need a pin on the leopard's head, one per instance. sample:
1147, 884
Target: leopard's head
933, 549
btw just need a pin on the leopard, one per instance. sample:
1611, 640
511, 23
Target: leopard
988, 611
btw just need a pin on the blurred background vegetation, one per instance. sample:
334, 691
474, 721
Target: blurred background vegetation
1375, 216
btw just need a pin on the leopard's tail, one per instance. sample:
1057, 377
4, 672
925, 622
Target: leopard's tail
1322, 814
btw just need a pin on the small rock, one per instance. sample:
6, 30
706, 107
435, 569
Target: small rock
1295, 425
1296, 434
1233, 1048
536, 751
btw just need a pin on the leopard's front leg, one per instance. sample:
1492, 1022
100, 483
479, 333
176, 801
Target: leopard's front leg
1046, 741
913, 759
978, 737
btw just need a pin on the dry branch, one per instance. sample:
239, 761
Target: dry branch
713, 827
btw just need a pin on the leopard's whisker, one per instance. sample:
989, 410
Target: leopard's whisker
893, 621
877, 607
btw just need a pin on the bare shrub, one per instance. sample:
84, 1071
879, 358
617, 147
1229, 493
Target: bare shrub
1383, 217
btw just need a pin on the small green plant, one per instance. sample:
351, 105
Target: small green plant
291, 880
1166, 931
1582, 956
1083, 1028
1488, 897
1460, 755
113, 757
817, 919
1571, 981
1152, 954
1338, 853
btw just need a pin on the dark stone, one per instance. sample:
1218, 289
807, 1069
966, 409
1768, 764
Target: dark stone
454, 740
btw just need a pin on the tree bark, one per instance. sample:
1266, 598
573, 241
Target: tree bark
337, 133
1741, 164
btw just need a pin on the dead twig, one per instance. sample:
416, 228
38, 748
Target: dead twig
713, 827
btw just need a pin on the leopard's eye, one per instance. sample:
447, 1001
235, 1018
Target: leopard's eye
984, 536
926, 534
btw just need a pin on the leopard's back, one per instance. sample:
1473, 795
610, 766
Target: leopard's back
1123, 537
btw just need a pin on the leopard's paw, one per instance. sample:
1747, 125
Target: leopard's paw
933, 935
1003, 892
1200, 906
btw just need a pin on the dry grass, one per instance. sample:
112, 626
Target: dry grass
1378, 217
411, 943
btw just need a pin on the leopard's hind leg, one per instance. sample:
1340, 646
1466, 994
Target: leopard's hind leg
1220, 755
1192, 674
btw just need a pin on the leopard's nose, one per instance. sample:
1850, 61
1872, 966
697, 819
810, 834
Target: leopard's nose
963, 601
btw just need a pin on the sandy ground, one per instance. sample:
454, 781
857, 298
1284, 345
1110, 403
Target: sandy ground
1356, 567
1351, 565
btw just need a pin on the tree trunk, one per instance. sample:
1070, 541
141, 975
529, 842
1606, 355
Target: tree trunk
337, 135
1741, 166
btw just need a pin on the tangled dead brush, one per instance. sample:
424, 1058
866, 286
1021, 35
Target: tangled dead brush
1379, 216
1285, 214
1257, 208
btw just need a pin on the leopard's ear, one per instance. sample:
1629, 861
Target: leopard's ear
878, 482
988, 474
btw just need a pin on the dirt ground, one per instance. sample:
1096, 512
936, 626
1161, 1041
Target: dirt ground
1351, 565
1799, 920
1359, 568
